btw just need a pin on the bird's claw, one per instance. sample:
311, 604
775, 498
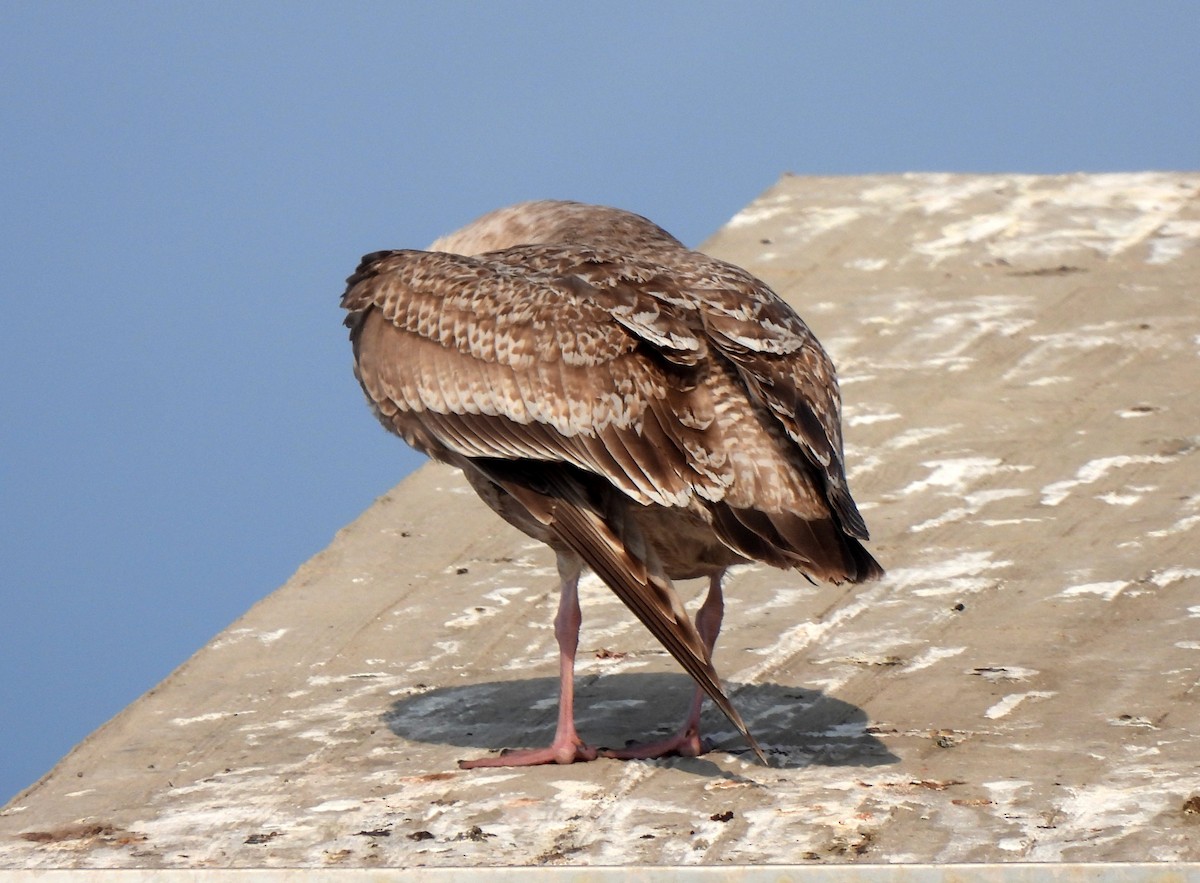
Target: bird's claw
685, 743
574, 751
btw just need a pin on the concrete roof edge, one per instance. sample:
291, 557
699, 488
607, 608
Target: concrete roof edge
1017, 872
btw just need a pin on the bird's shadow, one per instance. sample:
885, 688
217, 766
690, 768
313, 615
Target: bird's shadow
797, 727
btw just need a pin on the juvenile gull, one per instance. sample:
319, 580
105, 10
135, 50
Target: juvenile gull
645, 410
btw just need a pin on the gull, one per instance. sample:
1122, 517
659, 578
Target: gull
647, 411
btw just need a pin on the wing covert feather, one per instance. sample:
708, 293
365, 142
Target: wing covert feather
587, 382
601, 350
780, 360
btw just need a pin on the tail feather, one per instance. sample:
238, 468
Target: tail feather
562, 504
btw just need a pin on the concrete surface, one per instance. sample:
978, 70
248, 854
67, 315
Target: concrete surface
1020, 359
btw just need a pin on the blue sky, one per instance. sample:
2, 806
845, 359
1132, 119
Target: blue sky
184, 188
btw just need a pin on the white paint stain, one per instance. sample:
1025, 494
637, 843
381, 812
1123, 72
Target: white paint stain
443, 649
868, 265
1172, 239
802, 635
336, 806
1104, 813
820, 219
946, 337
955, 475
997, 673
211, 716
1181, 526
1103, 214
960, 234
933, 194
781, 598
966, 572
1006, 705
1106, 590
1095, 470
762, 210
1055, 353
972, 503
1005, 792
234, 636
867, 419
477, 613
918, 436
931, 656
501, 596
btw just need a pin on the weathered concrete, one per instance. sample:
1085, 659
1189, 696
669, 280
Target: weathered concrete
1011, 872
1020, 359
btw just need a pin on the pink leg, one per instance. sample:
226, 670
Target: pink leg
567, 747
686, 741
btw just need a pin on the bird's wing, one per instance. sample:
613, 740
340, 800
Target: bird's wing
785, 367
780, 361
471, 356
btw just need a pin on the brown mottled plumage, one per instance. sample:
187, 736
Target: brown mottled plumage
644, 409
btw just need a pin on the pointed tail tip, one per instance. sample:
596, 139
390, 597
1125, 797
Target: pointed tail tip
736, 720
757, 749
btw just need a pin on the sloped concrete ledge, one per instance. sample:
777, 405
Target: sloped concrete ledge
1018, 357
